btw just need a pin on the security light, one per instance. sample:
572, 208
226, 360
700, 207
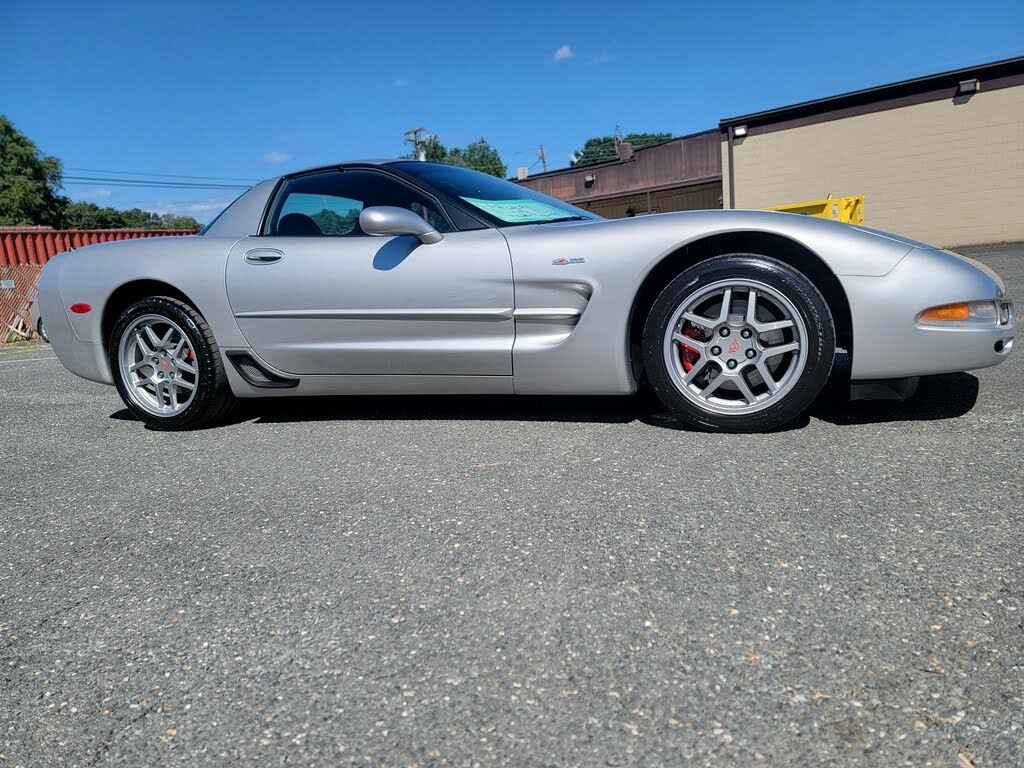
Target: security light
969, 86
739, 131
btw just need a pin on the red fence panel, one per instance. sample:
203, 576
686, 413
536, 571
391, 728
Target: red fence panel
37, 245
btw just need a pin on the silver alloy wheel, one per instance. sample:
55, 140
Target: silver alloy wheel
735, 346
158, 365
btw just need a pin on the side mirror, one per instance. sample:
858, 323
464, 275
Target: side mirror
383, 220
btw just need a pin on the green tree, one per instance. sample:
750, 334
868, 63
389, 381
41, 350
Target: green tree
478, 156
434, 151
136, 218
171, 221
333, 223
603, 148
90, 216
81, 215
29, 181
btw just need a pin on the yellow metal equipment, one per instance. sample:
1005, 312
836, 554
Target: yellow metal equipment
849, 210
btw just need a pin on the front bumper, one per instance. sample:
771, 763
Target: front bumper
890, 342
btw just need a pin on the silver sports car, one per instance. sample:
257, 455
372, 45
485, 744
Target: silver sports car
400, 277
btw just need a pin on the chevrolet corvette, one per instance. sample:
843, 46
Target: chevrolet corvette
403, 277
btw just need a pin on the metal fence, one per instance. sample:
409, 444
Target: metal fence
37, 245
24, 251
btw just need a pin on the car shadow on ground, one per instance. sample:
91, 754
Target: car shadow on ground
948, 396
609, 410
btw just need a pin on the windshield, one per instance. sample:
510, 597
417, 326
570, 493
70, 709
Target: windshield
501, 201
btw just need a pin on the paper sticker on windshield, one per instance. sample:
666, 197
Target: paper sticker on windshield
518, 211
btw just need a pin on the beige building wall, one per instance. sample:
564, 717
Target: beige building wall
941, 172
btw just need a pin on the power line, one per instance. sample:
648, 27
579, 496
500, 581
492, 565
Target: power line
145, 186
152, 183
162, 175
95, 180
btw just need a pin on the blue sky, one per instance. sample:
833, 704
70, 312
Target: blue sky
254, 89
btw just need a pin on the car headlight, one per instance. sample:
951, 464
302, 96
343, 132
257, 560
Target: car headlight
963, 312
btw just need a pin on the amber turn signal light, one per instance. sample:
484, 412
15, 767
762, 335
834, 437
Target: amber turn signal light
958, 311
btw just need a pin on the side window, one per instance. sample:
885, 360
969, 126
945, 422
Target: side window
327, 204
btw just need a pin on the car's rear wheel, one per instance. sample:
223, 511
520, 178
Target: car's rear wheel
167, 367
41, 330
739, 343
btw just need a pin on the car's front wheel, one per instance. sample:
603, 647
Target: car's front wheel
166, 365
739, 343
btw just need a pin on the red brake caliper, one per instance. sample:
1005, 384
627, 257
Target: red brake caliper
689, 355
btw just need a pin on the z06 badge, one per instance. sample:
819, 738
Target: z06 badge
563, 262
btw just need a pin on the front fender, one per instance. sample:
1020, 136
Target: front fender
593, 270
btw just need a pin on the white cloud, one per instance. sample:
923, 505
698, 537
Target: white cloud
277, 157
563, 53
93, 194
201, 210
400, 83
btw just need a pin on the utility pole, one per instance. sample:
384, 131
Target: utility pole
543, 158
412, 136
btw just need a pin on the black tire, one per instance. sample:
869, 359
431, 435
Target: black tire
42, 331
213, 400
788, 281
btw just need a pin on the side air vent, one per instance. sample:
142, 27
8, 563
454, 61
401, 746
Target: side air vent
256, 375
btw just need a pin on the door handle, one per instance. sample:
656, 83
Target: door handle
263, 256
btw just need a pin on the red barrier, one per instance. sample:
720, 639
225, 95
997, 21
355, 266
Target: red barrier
37, 245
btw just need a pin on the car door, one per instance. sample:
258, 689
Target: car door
315, 295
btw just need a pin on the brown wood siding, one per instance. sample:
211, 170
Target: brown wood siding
664, 201
688, 160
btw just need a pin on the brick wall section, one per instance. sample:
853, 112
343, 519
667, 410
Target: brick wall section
32, 245
942, 172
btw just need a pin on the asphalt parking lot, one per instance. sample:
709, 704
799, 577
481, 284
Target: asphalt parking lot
465, 581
